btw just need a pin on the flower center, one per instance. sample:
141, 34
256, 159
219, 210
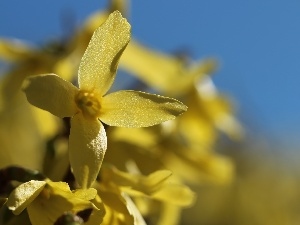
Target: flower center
88, 104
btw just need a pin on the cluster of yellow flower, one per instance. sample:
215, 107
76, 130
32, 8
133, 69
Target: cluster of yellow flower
101, 157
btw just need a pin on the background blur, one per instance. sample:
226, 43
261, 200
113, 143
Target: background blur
256, 42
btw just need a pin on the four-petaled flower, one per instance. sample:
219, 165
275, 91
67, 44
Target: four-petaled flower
88, 104
46, 201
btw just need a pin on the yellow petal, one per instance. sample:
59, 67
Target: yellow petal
99, 63
167, 209
115, 201
134, 183
14, 50
120, 5
161, 71
86, 194
98, 212
67, 67
184, 195
23, 195
11, 83
79, 198
196, 127
51, 93
146, 139
48, 125
138, 109
87, 146
134, 211
85, 33
58, 187
18, 123
55, 199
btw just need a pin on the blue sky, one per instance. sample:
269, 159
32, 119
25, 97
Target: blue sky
256, 42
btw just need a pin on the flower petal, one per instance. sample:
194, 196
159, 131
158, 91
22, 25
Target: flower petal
86, 194
23, 195
51, 93
99, 63
14, 50
138, 109
87, 146
163, 72
56, 199
135, 184
184, 195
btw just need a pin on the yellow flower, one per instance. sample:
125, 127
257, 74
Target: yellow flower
163, 72
25, 60
126, 196
19, 123
88, 103
163, 146
46, 201
156, 186
15, 112
209, 111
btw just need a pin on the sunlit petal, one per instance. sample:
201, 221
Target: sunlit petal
56, 199
99, 63
51, 93
86, 194
23, 195
87, 146
138, 109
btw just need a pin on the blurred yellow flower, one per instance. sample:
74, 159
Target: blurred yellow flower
14, 50
87, 104
19, 120
189, 81
156, 185
130, 194
163, 146
25, 60
168, 74
19, 123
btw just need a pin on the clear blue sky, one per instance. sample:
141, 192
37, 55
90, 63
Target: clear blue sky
257, 43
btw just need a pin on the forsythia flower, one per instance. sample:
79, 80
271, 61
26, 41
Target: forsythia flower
168, 74
148, 193
46, 201
156, 186
87, 104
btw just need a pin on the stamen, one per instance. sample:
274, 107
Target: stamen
88, 104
